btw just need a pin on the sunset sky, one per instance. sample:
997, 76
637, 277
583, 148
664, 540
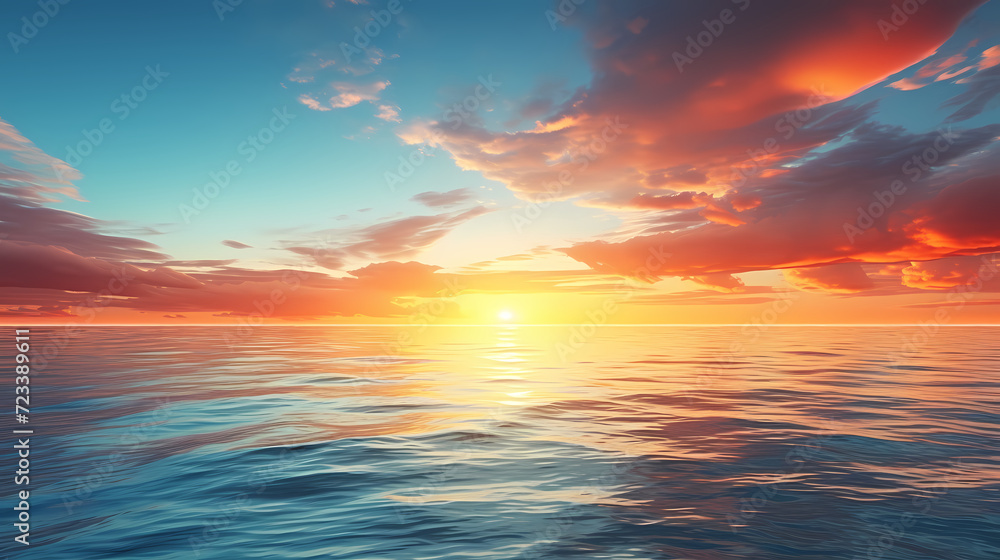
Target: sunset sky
729, 161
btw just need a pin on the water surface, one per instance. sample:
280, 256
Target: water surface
374, 443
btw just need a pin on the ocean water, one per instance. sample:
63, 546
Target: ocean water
507, 442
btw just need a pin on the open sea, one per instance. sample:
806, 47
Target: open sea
510, 442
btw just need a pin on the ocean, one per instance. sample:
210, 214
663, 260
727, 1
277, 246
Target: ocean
511, 442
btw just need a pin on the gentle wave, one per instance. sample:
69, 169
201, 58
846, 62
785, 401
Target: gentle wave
488, 443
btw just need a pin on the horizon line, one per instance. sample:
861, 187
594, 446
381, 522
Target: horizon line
23, 325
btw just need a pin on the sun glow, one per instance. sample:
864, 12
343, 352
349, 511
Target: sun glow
505, 315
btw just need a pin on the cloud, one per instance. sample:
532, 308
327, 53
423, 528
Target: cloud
384, 289
307, 70
311, 102
388, 113
943, 274
236, 244
989, 58
434, 199
394, 239
346, 94
28, 265
23, 219
645, 112
637, 25
401, 279
981, 90
675, 201
751, 155
720, 282
952, 304
837, 278
349, 95
64, 264
329, 62
541, 100
800, 221
29, 174
37, 311
763, 294
961, 216
982, 80
935, 70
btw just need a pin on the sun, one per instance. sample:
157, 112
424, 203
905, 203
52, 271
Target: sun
505, 315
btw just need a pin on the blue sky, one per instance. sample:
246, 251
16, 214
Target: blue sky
226, 77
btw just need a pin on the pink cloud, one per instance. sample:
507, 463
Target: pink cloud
313, 103
931, 72
389, 113
346, 94
349, 95
42, 176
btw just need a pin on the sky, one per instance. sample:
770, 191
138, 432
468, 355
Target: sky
577, 162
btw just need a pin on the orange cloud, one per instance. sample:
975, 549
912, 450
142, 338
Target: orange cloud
836, 278
962, 215
946, 273
642, 114
804, 213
